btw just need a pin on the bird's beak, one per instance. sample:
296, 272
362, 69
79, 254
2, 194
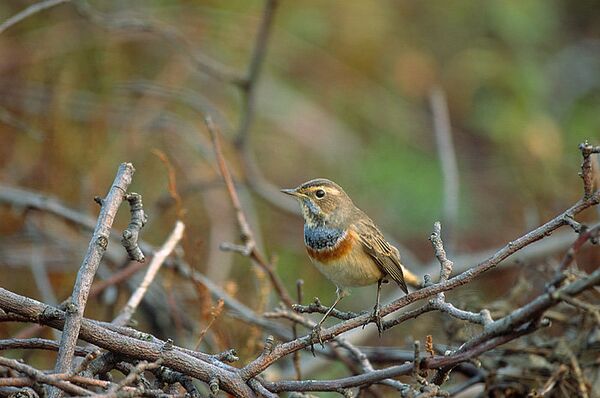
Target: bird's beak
291, 191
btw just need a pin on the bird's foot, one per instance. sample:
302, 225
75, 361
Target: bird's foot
315, 336
377, 319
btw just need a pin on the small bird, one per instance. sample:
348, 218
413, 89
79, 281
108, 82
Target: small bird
345, 244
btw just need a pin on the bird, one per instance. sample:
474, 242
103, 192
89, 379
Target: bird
346, 245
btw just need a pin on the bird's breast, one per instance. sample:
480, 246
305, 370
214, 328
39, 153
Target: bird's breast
327, 244
340, 257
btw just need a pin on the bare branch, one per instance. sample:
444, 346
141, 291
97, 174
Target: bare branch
439, 302
131, 234
586, 167
131, 343
38, 344
447, 155
157, 261
249, 86
249, 248
44, 378
85, 277
29, 11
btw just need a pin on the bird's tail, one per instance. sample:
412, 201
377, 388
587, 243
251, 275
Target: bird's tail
411, 279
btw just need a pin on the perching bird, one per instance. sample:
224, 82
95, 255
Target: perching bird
345, 244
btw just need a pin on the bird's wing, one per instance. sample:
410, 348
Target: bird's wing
385, 255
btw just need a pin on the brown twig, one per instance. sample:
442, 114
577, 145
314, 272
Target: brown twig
131, 343
44, 378
249, 245
254, 69
37, 343
96, 249
214, 314
586, 168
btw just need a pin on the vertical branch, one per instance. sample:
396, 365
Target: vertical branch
447, 155
98, 244
249, 86
586, 168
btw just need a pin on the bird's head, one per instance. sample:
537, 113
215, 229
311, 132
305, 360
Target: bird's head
323, 202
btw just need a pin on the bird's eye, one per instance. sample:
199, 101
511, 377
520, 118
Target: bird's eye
319, 193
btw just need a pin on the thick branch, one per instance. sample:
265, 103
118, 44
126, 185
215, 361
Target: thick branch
85, 276
131, 343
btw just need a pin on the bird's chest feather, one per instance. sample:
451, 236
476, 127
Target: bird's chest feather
323, 238
339, 256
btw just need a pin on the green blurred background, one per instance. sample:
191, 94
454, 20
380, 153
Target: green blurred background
344, 94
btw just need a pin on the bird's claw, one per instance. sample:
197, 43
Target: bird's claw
315, 335
377, 319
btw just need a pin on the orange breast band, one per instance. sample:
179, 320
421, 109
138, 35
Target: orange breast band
340, 250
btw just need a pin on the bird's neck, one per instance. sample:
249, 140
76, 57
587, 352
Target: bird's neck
320, 237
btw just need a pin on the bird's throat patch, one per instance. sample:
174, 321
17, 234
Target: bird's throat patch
327, 244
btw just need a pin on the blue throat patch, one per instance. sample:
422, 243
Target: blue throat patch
320, 237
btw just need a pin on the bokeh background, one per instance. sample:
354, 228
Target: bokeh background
344, 93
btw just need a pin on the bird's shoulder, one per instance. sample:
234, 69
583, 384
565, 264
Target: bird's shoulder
385, 255
372, 238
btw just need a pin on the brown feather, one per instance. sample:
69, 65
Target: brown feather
385, 255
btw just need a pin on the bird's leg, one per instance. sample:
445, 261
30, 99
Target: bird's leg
376, 310
340, 294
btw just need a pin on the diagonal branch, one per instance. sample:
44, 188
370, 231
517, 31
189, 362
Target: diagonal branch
29, 11
157, 261
249, 244
257, 367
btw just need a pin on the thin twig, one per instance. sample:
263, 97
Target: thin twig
44, 378
214, 314
29, 11
447, 155
249, 244
132, 232
586, 167
254, 69
157, 261
36, 343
